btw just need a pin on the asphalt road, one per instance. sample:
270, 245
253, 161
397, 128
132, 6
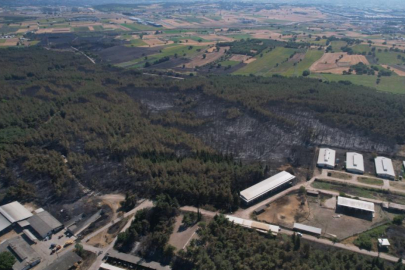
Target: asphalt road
98, 261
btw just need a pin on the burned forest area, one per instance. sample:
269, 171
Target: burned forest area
67, 124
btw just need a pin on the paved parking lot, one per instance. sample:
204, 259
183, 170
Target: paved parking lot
43, 248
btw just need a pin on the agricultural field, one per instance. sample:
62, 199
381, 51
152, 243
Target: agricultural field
393, 84
265, 66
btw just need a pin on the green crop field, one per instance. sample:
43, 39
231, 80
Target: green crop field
358, 49
170, 51
2, 40
194, 38
98, 28
141, 27
393, 84
214, 17
264, 65
229, 63
337, 44
81, 29
192, 19
311, 56
137, 42
239, 36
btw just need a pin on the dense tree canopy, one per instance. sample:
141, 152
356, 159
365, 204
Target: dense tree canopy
223, 245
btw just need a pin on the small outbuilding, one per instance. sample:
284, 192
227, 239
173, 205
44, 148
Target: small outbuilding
383, 242
307, 229
326, 158
354, 162
384, 167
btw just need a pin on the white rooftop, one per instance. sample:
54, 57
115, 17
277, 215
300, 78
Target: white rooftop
265, 186
357, 204
383, 242
254, 224
14, 212
384, 166
4, 223
354, 161
307, 228
326, 157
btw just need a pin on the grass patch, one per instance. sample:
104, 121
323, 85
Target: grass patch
171, 51
137, 42
81, 29
2, 40
337, 44
194, 38
393, 84
239, 36
343, 176
98, 28
397, 185
365, 192
368, 240
311, 56
192, 19
141, 27
229, 63
370, 181
266, 65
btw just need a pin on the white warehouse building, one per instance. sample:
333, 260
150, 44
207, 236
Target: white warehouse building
384, 167
326, 158
354, 162
262, 188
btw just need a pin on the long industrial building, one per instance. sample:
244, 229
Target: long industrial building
326, 158
44, 224
384, 167
307, 229
355, 204
250, 224
255, 192
354, 162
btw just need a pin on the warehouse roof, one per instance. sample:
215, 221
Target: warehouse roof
265, 186
384, 166
4, 223
64, 262
357, 204
310, 229
15, 212
327, 157
26, 255
354, 161
43, 223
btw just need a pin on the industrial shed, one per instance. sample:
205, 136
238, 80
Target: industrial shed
384, 167
307, 229
355, 204
255, 192
4, 223
354, 162
65, 262
26, 256
44, 224
15, 212
326, 158
250, 224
